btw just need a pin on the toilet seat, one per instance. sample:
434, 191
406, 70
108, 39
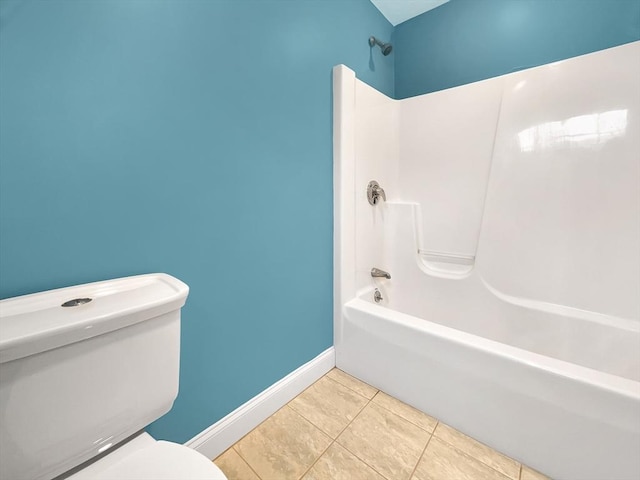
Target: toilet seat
148, 459
164, 461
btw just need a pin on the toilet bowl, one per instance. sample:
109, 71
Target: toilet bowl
84, 370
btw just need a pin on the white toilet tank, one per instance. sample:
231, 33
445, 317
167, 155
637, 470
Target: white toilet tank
76, 380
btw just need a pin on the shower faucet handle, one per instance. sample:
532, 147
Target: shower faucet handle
375, 192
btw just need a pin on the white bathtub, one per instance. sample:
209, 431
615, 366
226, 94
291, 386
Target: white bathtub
566, 420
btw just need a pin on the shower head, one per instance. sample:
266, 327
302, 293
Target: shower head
385, 47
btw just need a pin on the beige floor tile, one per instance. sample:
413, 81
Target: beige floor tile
339, 464
477, 450
352, 382
530, 474
283, 447
388, 443
443, 462
234, 467
407, 412
329, 405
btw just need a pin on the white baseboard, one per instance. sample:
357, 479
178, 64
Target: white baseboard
228, 430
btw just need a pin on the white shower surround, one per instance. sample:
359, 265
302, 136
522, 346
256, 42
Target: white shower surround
511, 232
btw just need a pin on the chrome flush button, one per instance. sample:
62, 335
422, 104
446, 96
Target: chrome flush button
76, 301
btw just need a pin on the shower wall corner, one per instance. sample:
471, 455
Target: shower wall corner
344, 89
365, 148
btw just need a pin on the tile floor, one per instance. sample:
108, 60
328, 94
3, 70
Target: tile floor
343, 429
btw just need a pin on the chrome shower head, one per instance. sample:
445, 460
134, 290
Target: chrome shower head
385, 47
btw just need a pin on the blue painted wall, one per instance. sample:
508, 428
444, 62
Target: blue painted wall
188, 137
464, 41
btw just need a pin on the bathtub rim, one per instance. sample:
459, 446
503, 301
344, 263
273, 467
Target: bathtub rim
623, 386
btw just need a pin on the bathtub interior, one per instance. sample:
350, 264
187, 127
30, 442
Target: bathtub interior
513, 208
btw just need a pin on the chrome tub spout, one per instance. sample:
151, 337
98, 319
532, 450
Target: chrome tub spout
377, 273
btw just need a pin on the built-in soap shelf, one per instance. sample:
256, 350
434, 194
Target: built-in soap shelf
444, 257
452, 265
404, 222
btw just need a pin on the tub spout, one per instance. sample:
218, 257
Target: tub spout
376, 272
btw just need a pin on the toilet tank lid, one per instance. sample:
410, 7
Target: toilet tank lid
38, 322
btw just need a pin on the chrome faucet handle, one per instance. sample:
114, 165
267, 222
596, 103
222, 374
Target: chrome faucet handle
377, 296
375, 192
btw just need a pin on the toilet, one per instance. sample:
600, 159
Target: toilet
83, 370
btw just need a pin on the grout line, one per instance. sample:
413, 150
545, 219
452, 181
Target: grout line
295, 411
233, 447
353, 390
370, 466
477, 459
395, 413
354, 419
316, 460
317, 426
285, 405
349, 388
468, 455
421, 455
339, 433
258, 426
309, 422
305, 419
253, 430
520, 474
319, 430
230, 448
369, 400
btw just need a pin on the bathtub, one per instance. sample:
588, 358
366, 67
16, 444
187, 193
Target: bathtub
565, 420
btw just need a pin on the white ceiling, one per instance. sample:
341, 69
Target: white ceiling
397, 11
